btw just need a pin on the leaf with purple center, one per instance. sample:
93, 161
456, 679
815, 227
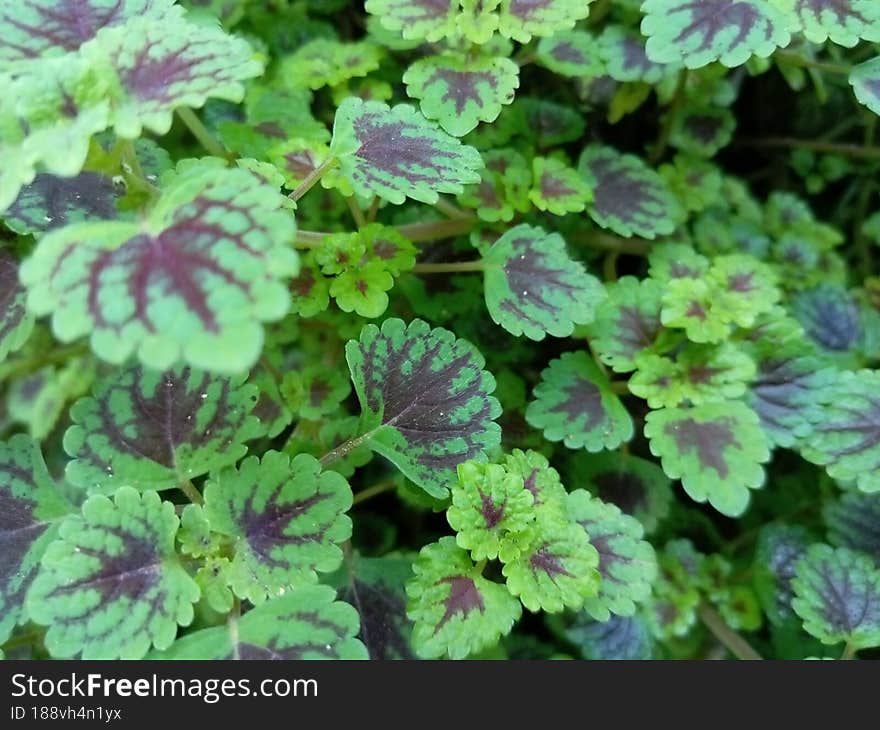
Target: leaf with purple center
539, 478
155, 430
286, 520
843, 22
490, 509
702, 131
669, 261
716, 449
424, 20
456, 610
534, 288
459, 92
314, 391
558, 571
16, 323
573, 53
629, 197
622, 638
425, 400
697, 374
194, 280
837, 595
574, 403
306, 624
396, 153
865, 80
779, 548
747, 288
627, 322
698, 32
363, 289
627, 563
853, 521
522, 19
636, 486
625, 59
503, 189
845, 437
31, 510
693, 306
324, 62
478, 20
51, 202
831, 317
35, 30
558, 188
110, 586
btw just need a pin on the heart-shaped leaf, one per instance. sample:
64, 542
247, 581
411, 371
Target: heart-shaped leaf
837, 594
286, 520
376, 588
628, 196
699, 32
574, 403
779, 548
423, 20
830, 316
845, 437
111, 586
865, 80
627, 564
396, 153
52, 202
461, 92
193, 281
38, 29
425, 400
522, 19
533, 287
844, 22
16, 323
155, 430
853, 521
306, 624
625, 58
716, 449
539, 478
558, 188
571, 53
31, 508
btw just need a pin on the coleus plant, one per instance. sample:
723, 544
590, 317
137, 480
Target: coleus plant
439, 329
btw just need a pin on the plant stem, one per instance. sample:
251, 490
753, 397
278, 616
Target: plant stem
415, 232
193, 494
668, 120
312, 178
356, 211
848, 150
796, 59
480, 567
737, 645
232, 625
32, 364
373, 491
131, 169
450, 209
849, 651
452, 267
343, 449
861, 243
201, 133
374, 209
621, 387
607, 242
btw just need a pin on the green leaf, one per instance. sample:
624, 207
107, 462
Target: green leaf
425, 400
830, 315
155, 430
623, 638
837, 594
558, 188
306, 624
702, 131
779, 548
694, 305
625, 59
16, 323
628, 196
539, 478
865, 80
571, 53
844, 22
377, 588
423, 20
522, 19
533, 287
456, 611
396, 153
461, 92
574, 403
490, 509
637, 486
558, 571
194, 280
315, 391
51, 202
716, 449
286, 520
110, 586
31, 509
363, 289
503, 189
627, 322
327, 62
853, 521
669, 261
699, 32
845, 438
627, 564
746, 288
40, 29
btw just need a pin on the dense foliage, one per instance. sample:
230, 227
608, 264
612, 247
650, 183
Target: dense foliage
439, 328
